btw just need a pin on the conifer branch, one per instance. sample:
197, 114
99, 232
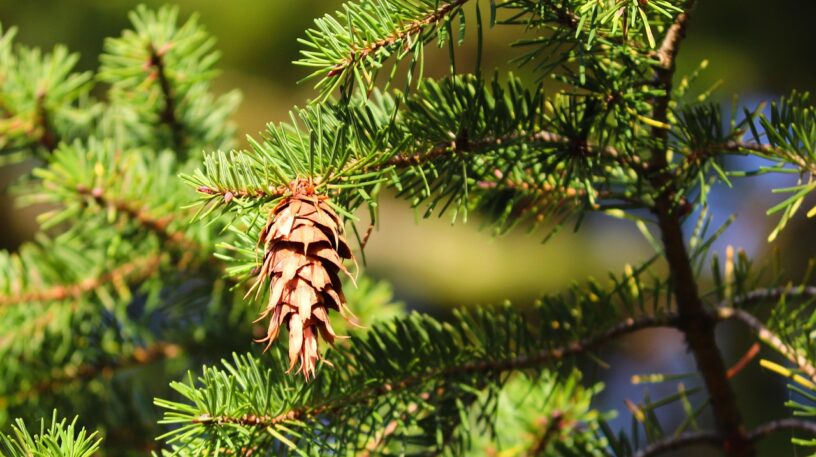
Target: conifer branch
771, 151
184, 248
771, 339
760, 295
420, 158
36, 88
740, 147
58, 439
141, 215
457, 145
488, 144
38, 132
140, 356
566, 17
486, 366
727, 309
409, 31
136, 269
546, 190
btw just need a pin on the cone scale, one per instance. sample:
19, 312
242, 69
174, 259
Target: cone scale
304, 249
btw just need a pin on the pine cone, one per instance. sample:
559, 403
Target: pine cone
303, 255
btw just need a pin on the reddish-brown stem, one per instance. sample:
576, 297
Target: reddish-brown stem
136, 269
743, 362
229, 194
411, 29
184, 249
367, 235
141, 215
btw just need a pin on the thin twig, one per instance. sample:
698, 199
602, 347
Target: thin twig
792, 425
743, 361
183, 248
565, 16
715, 440
168, 114
768, 150
771, 339
740, 147
560, 195
367, 235
137, 269
229, 194
39, 130
762, 295
712, 439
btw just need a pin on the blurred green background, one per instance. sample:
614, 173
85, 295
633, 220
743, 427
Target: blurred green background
760, 50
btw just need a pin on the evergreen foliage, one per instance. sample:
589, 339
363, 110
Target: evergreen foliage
60, 438
150, 243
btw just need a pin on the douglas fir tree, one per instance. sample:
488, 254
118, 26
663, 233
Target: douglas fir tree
156, 257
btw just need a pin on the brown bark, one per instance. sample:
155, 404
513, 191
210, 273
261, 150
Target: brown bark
696, 323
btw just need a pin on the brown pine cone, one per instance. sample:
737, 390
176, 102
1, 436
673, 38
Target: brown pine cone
304, 250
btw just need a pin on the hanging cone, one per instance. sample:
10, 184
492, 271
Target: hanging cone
304, 250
